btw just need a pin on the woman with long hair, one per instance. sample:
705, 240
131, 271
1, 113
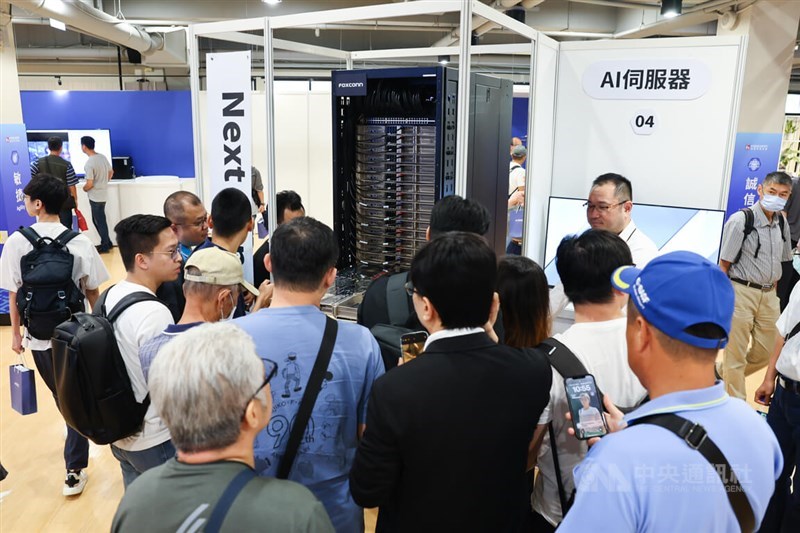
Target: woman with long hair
524, 301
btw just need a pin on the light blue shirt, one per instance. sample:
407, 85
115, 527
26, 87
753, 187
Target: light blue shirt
291, 336
645, 478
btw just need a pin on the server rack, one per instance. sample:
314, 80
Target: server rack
394, 150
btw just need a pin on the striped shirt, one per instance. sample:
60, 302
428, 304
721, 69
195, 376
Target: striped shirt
149, 350
55, 166
766, 268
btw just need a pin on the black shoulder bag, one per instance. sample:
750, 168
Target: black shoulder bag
309, 397
695, 436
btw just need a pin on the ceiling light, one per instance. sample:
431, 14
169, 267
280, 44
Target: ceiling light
444, 60
271, 2
671, 8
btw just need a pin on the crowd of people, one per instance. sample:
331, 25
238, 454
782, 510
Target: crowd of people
265, 413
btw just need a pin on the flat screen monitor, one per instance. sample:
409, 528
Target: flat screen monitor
670, 228
37, 145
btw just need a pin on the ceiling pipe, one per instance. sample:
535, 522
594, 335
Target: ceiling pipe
91, 21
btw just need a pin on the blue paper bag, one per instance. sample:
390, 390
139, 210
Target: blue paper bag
262, 227
516, 218
23, 389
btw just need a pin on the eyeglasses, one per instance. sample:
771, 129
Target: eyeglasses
410, 290
604, 208
197, 224
270, 369
174, 254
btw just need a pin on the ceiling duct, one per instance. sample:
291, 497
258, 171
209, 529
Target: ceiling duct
94, 22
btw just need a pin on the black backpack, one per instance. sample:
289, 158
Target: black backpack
749, 227
388, 335
94, 392
48, 295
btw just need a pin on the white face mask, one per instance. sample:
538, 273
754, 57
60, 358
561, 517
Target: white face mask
796, 262
233, 310
773, 203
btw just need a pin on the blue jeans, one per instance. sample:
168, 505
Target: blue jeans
76, 447
133, 464
783, 513
99, 221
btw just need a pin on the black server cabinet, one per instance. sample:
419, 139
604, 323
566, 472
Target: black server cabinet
394, 148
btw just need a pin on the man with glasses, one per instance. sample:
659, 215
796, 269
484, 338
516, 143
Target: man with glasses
302, 259
213, 393
609, 207
150, 254
190, 224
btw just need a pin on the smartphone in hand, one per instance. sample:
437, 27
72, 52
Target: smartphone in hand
412, 344
585, 407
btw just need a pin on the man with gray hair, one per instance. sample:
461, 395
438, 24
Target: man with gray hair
755, 241
212, 390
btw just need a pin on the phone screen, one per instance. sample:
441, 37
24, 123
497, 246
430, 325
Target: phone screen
585, 407
413, 344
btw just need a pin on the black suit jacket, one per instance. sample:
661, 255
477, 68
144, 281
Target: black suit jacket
447, 438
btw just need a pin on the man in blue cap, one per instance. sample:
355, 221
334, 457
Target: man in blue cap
692, 458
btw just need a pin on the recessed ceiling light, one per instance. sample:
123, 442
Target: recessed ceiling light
671, 8
271, 2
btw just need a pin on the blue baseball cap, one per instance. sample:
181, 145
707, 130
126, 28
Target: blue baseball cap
678, 290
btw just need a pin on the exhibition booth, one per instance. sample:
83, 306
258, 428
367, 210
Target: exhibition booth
662, 112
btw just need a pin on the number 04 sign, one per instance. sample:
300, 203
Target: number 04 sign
645, 122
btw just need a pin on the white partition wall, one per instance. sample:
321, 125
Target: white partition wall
303, 146
542, 106
684, 159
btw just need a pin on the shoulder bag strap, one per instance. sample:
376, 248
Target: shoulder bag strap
696, 438
563, 360
127, 301
795, 331
226, 500
749, 226
34, 238
397, 299
65, 237
562, 493
567, 364
309, 398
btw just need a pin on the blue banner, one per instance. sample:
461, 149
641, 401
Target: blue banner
755, 156
15, 173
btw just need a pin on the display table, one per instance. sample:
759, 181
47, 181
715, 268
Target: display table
142, 195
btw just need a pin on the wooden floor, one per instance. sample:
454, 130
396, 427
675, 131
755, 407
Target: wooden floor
31, 449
